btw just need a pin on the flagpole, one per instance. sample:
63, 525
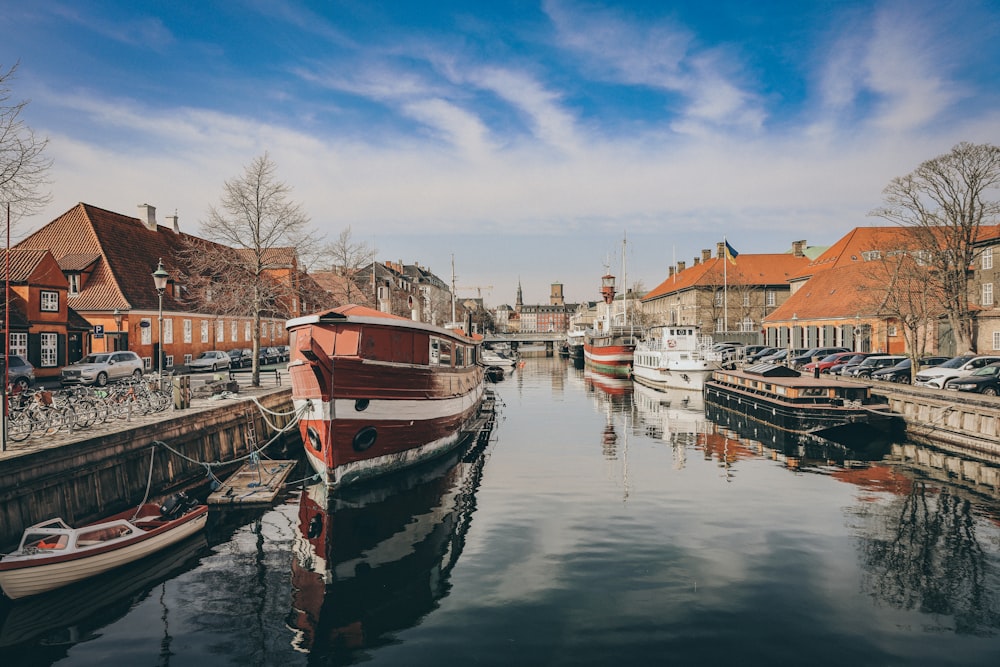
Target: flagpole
725, 283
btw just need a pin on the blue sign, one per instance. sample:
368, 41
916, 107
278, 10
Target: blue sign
98, 331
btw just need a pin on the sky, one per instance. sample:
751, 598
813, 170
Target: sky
526, 142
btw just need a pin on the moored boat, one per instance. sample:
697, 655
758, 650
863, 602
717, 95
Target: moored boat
789, 401
674, 356
378, 393
52, 554
574, 343
609, 346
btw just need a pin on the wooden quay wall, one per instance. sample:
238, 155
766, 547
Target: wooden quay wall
90, 474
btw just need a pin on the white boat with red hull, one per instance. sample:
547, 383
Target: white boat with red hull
378, 393
52, 554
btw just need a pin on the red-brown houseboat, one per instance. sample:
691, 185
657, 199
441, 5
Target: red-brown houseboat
379, 393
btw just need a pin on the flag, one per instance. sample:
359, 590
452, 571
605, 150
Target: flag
731, 253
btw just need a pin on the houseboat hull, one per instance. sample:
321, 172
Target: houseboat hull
687, 377
378, 393
837, 411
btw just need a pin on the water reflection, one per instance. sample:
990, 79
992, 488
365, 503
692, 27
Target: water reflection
74, 613
374, 560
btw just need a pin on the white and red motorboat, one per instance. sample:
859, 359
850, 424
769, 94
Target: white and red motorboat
378, 393
52, 554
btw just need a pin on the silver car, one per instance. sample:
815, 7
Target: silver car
212, 360
99, 368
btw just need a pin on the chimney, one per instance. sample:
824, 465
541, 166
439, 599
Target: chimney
670, 273
680, 266
172, 221
697, 261
706, 254
799, 248
147, 216
720, 249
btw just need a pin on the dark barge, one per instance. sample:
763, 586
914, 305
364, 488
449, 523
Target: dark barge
785, 399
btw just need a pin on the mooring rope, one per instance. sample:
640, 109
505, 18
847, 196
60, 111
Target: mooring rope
149, 482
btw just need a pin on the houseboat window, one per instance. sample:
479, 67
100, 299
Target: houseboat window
813, 391
435, 350
459, 356
445, 358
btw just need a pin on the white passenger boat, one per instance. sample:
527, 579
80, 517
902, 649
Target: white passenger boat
674, 356
52, 554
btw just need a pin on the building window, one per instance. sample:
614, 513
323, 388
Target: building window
187, 359
74, 283
147, 363
890, 330
720, 325
204, 331
234, 330
263, 329
987, 294
146, 331
246, 331
718, 298
987, 261
746, 298
220, 331
168, 361
996, 340
19, 344
187, 331
50, 301
50, 349
168, 331
771, 297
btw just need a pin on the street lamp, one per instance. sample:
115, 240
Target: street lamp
118, 327
160, 277
791, 333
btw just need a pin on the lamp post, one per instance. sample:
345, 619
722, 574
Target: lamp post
118, 327
160, 277
791, 334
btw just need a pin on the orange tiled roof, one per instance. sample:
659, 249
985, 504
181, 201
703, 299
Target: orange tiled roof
759, 269
23, 263
850, 247
128, 253
841, 292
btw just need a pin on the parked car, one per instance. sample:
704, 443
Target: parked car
750, 350
827, 362
268, 355
99, 368
285, 351
212, 360
850, 362
874, 363
901, 372
760, 354
814, 353
22, 373
240, 358
985, 380
959, 366
779, 356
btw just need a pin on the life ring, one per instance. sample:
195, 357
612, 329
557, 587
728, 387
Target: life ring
671, 342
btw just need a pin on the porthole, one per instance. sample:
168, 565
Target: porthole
364, 438
314, 440
361, 404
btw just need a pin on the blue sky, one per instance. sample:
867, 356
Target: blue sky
523, 138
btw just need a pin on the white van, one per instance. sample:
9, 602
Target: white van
959, 366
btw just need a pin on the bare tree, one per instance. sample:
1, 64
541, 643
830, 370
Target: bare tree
23, 165
248, 266
944, 199
348, 258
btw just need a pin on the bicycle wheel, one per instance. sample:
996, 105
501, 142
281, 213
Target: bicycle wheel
19, 425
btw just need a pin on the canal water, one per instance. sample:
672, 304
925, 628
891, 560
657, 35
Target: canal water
599, 524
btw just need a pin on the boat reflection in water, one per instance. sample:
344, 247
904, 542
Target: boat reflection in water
374, 559
74, 613
797, 449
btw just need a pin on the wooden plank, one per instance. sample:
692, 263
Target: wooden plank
253, 483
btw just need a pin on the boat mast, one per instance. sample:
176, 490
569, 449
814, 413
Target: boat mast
624, 285
453, 288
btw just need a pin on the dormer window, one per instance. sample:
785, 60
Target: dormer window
74, 284
49, 301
